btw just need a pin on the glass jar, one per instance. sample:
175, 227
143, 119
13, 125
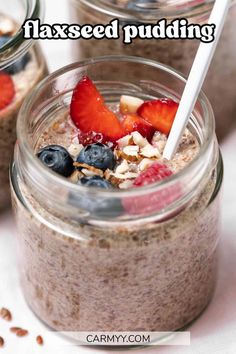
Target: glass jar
178, 54
23, 67
87, 266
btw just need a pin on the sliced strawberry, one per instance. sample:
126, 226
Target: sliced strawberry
159, 113
156, 201
132, 122
89, 112
7, 90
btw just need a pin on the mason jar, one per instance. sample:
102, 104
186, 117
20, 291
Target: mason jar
179, 54
90, 266
21, 68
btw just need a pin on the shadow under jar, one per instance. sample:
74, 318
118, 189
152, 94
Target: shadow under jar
21, 68
95, 266
179, 54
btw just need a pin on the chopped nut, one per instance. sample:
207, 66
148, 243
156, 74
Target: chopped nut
131, 150
144, 164
89, 173
76, 175
112, 179
125, 141
130, 153
5, 314
39, 340
128, 175
75, 149
131, 175
122, 155
139, 139
126, 184
123, 167
130, 104
92, 170
159, 141
118, 178
1, 342
150, 151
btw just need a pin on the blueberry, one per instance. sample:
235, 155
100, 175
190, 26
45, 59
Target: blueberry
20, 64
57, 159
97, 205
97, 155
95, 181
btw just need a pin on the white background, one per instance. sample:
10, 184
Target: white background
213, 333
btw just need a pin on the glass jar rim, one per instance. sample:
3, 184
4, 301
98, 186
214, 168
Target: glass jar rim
17, 45
151, 11
27, 151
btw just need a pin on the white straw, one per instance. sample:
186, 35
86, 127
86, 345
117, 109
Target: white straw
196, 79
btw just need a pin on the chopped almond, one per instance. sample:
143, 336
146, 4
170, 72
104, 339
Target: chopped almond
150, 151
130, 104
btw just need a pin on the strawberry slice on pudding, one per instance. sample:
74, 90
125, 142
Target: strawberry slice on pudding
90, 113
132, 122
159, 113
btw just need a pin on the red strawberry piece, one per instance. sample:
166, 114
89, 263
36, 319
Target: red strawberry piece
132, 122
89, 112
7, 90
155, 201
159, 113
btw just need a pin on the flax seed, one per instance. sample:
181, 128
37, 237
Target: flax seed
15, 329
22, 333
1, 342
5, 314
39, 340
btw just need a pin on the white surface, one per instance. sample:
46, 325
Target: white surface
213, 333
196, 79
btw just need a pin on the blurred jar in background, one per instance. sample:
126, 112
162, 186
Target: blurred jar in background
220, 85
21, 68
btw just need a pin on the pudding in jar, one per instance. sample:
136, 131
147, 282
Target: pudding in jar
111, 236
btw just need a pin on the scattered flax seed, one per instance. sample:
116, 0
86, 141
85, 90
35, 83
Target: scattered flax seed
1, 342
39, 340
5, 314
20, 332
15, 329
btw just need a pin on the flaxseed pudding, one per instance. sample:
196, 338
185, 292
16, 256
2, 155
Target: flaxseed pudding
178, 54
112, 237
16, 81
